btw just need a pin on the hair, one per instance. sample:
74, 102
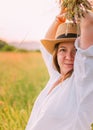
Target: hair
55, 62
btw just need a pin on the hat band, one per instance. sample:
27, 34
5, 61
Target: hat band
69, 35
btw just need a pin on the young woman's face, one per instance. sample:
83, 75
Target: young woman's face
65, 57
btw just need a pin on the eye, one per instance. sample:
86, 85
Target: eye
61, 50
74, 51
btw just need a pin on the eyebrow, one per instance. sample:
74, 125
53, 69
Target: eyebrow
61, 46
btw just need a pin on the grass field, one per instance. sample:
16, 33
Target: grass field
22, 77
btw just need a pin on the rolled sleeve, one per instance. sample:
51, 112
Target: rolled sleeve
83, 70
83, 65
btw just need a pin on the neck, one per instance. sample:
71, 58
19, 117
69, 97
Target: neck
61, 79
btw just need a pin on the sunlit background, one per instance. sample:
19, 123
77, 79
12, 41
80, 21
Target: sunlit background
26, 19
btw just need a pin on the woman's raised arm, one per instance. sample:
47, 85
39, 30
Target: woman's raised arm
86, 38
50, 34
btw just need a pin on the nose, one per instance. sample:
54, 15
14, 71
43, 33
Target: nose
69, 56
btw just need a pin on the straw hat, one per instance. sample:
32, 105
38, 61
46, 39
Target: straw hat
66, 32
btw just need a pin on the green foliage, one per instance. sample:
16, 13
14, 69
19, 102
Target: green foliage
8, 48
4, 46
21, 80
2, 43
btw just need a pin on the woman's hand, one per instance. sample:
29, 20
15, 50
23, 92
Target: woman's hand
61, 16
87, 20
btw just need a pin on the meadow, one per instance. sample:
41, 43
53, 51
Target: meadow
22, 77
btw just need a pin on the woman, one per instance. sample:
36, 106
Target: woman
66, 101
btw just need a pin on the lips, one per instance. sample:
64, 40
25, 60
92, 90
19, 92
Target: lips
68, 64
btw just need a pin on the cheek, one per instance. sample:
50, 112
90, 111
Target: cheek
59, 59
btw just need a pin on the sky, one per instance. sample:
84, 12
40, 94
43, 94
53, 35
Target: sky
26, 19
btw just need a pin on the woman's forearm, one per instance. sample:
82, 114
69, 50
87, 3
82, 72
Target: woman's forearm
51, 33
86, 38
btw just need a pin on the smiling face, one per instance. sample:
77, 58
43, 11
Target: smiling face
65, 57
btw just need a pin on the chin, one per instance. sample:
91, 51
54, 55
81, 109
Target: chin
70, 70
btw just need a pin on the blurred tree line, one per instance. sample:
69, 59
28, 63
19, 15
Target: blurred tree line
4, 46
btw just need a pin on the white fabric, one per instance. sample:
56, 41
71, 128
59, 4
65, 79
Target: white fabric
70, 105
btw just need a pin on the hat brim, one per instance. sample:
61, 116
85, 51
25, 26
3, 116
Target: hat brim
50, 44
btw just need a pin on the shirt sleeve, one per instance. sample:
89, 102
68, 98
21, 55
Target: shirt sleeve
83, 73
48, 61
83, 70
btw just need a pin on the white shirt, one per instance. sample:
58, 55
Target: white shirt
70, 105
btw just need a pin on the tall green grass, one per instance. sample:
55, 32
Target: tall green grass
22, 77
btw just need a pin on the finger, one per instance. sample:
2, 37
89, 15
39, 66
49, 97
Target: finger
63, 10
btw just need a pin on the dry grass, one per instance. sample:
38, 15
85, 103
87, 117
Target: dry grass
21, 80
